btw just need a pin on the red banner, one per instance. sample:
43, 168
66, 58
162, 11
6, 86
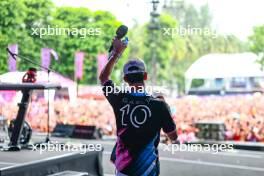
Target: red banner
79, 58
102, 60
46, 56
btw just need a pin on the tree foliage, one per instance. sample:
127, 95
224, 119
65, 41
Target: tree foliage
173, 54
196, 45
257, 42
19, 17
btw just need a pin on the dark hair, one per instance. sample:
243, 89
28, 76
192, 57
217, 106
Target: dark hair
133, 78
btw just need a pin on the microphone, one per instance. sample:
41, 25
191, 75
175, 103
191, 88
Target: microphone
29, 61
120, 33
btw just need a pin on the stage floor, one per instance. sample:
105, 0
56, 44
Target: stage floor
44, 161
8, 159
187, 163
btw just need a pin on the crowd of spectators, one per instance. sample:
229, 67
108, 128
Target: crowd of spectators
243, 115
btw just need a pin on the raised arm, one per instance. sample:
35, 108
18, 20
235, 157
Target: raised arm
118, 48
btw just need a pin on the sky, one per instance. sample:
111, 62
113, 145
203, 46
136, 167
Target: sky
236, 17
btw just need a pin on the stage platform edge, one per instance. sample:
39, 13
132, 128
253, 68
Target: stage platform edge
252, 146
90, 162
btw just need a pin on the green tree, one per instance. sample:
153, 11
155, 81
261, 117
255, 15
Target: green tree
18, 18
197, 45
256, 41
187, 14
12, 29
168, 49
80, 18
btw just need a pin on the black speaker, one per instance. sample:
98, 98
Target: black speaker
86, 132
63, 130
77, 131
211, 130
